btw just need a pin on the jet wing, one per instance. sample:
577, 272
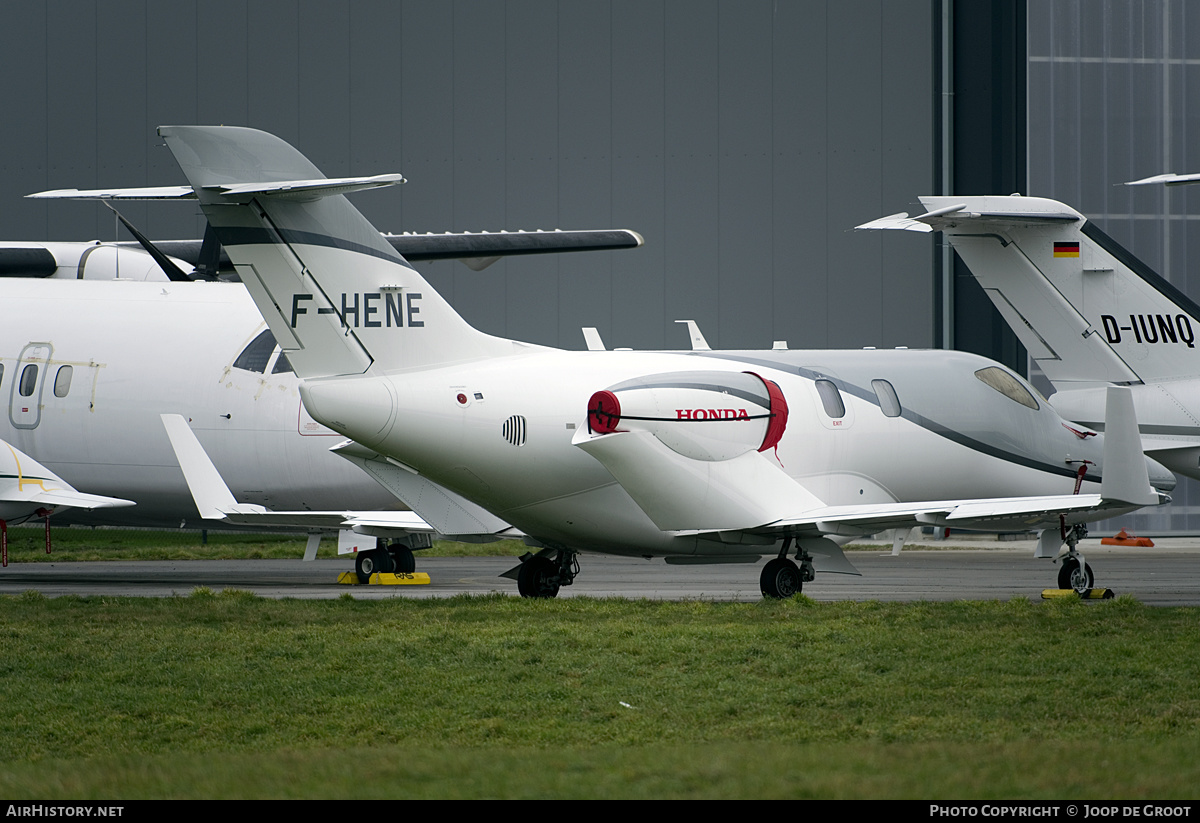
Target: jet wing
1001, 514
750, 495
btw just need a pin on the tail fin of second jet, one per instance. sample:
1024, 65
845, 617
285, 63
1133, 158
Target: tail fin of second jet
1085, 308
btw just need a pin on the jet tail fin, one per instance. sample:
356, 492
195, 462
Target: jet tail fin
1085, 308
336, 295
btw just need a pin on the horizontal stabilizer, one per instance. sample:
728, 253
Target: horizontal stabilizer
143, 193
215, 501
287, 189
448, 513
1166, 180
307, 189
977, 211
29, 489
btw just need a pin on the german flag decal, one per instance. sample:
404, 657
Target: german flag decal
1066, 249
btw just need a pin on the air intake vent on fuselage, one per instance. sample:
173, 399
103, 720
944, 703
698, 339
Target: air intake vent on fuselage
514, 430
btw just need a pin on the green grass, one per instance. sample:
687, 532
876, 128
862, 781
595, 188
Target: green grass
27, 544
230, 695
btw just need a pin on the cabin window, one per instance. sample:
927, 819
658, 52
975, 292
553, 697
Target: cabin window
28, 379
1007, 385
255, 356
831, 399
889, 403
62, 381
1, 373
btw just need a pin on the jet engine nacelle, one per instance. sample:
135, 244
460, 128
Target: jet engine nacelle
703, 415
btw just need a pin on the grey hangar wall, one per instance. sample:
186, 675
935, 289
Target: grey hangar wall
744, 140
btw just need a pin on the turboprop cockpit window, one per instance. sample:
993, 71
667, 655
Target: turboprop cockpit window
255, 356
831, 399
282, 365
28, 379
889, 403
1007, 385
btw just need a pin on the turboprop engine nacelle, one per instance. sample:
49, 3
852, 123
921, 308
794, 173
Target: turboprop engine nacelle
704, 415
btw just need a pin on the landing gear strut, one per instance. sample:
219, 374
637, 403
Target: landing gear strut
542, 574
781, 578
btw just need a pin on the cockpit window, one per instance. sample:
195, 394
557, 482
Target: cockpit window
831, 399
255, 356
282, 365
889, 403
1007, 385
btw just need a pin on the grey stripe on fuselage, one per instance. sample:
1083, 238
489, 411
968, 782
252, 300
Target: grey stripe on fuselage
780, 363
762, 399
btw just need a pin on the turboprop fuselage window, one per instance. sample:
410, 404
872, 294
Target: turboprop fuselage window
255, 356
28, 379
62, 381
831, 399
889, 403
1007, 385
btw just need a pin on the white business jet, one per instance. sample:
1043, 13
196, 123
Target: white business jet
86, 368
29, 490
1089, 313
701, 456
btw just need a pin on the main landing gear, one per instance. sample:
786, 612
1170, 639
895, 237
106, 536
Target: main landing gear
542, 574
781, 578
395, 559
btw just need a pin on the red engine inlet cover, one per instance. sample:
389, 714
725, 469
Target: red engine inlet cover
779, 414
603, 413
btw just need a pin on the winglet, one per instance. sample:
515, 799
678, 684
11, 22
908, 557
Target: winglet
696, 336
1126, 476
591, 336
213, 498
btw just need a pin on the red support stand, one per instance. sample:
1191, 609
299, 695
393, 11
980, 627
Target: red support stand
46, 514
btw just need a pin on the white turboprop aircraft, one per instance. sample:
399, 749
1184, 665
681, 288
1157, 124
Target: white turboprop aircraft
1089, 313
699, 456
29, 490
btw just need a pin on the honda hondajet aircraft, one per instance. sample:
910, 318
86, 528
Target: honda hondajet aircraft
86, 368
1089, 312
697, 457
